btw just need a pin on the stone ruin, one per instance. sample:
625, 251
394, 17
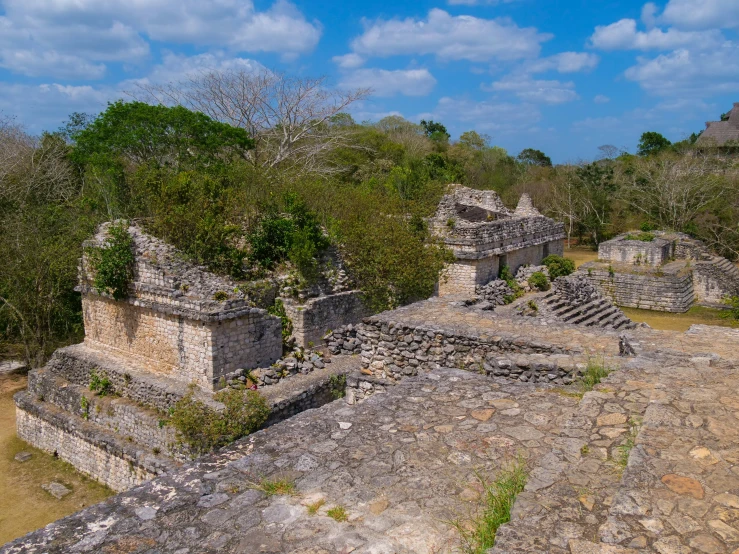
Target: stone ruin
484, 236
179, 328
661, 271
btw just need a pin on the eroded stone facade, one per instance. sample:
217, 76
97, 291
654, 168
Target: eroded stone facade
670, 272
484, 236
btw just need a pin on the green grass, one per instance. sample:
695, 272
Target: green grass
477, 533
625, 449
338, 513
276, 487
313, 508
594, 374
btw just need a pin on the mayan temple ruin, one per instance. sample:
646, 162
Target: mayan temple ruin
380, 432
661, 271
484, 236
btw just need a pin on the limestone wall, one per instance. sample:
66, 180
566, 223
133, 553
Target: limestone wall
666, 292
313, 319
183, 348
714, 280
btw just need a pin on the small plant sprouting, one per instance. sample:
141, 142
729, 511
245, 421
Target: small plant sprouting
611, 272
450, 223
625, 449
477, 533
101, 385
337, 385
276, 487
313, 508
338, 513
584, 450
156, 450
220, 296
85, 407
533, 306
595, 372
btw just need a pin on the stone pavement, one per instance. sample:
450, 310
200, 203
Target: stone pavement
401, 463
647, 462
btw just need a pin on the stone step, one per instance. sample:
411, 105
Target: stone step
92, 448
598, 318
575, 311
601, 311
129, 420
78, 362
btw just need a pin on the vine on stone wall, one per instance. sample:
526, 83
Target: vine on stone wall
113, 262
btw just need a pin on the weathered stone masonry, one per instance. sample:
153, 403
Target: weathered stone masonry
485, 236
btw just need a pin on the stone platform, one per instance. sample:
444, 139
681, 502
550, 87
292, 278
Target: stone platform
402, 465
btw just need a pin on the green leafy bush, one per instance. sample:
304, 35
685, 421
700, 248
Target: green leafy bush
539, 281
507, 276
204, 429
278, 309
337, 385
100, 384
288, 232
558, 266
733, 303
113, 262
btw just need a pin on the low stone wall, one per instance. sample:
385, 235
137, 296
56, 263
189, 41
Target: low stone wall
660, 291
115, 463
76, 364
313, 319
637, 252
392, 350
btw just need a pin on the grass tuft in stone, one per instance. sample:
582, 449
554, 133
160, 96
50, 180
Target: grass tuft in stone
313, 508
594, 374
338, 513
276, 487
477, 533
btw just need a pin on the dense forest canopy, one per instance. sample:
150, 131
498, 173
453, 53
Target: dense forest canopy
248, 173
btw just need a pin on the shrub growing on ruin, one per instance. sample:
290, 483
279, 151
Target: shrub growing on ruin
558, 266
733, 303
204, 429
539, 281
113, 262
278, 309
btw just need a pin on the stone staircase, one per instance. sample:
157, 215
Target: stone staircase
644, 465
715, 277
593, 310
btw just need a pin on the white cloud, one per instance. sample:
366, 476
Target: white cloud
702, 14
623, 35
565, 62
383, 82
348, 61
601, 99
685, 72
478, 2
536, 90
449, 38
175, 67
52, 37
649, 14
503, 117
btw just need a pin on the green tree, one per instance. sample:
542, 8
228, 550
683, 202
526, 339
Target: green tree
164, 136
532, 156
474, 140
435, 131
652, 142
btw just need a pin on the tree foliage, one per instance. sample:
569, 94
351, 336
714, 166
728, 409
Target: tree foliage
651, 143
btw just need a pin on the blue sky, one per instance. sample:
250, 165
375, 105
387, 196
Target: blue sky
563, 76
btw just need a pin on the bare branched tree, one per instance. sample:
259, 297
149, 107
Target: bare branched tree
32, 166
290, 118
673, 190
